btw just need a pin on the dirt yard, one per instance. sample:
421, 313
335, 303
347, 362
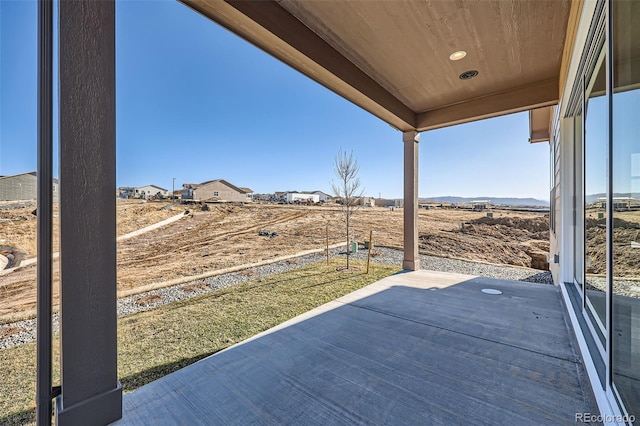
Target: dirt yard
626, 237
18, 226
228, 235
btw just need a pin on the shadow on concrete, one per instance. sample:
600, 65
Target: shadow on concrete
137, 380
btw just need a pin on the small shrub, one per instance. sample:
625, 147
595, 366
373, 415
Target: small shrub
191, 288
248, 273
149, 299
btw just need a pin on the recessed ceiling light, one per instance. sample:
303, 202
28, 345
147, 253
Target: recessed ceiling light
468, 75
456, 56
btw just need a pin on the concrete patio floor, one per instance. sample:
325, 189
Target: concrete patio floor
414, 348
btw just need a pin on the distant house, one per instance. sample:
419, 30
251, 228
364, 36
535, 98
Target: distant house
126, 192
362, 201
263, 197
619, 203
247, 191
368, 201
431, 205
480, 205
280, 196
324, 197
219, 190
23, 186
293, 197
149, 191
385, 202
187, 191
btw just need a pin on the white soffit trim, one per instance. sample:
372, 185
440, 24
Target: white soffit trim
540, 124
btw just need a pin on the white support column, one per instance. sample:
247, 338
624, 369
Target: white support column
411, 260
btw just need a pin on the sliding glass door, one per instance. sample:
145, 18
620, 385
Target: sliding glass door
605, 108
606, 117
626, 204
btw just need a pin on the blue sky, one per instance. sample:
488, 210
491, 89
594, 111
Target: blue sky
195, 102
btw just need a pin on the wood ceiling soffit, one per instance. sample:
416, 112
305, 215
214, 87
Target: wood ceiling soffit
570, 40
273, 29
322, 22
524, 98
277, 31
405, 46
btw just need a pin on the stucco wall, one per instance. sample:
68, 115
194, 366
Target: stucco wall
22, 187
151, 191
225, 193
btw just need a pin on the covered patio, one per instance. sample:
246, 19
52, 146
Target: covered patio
414, 348
427, 347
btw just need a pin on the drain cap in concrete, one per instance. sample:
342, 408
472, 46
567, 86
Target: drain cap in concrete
491, 291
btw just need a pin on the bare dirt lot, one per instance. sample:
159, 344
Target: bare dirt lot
626, 238
228, 235
18, 226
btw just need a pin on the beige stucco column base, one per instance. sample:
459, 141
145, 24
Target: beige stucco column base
411, 265
410, 141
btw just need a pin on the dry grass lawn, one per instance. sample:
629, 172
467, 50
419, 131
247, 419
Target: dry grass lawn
157, 342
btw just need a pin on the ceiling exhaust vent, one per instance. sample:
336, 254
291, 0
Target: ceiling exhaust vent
468, 75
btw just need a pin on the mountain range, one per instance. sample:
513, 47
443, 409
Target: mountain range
505, 201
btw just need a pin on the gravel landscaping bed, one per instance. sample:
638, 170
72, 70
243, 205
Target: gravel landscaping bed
621, 288
442, 264
24, 331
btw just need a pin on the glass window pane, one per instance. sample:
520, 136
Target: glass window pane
626, 192
596, 146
